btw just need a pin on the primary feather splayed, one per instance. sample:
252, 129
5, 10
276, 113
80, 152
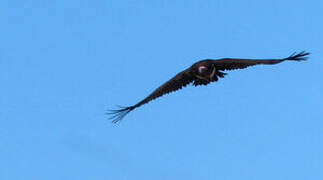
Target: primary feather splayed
202, 73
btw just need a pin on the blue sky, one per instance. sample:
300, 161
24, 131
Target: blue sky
64, 63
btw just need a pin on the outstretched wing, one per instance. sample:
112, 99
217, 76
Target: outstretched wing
179, 81
232, 64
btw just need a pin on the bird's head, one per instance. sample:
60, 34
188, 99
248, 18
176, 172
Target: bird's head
203, 69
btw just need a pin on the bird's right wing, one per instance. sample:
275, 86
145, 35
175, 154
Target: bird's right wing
232, 64
179, 81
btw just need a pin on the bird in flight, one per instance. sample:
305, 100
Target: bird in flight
202, 73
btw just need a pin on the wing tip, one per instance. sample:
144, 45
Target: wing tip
118, 114
302, 56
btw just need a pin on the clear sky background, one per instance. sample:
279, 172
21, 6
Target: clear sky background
64, 63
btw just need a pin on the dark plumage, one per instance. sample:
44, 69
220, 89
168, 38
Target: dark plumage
202, 73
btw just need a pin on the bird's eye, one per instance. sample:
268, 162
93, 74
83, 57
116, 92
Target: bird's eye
202, 69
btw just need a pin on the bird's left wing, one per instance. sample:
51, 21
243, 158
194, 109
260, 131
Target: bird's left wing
232, 64
179, 81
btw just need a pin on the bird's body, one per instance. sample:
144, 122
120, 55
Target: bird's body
202, 73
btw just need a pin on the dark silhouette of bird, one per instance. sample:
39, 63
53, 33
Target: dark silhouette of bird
202, 73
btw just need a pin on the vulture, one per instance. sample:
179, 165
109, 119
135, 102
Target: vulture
201, 73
